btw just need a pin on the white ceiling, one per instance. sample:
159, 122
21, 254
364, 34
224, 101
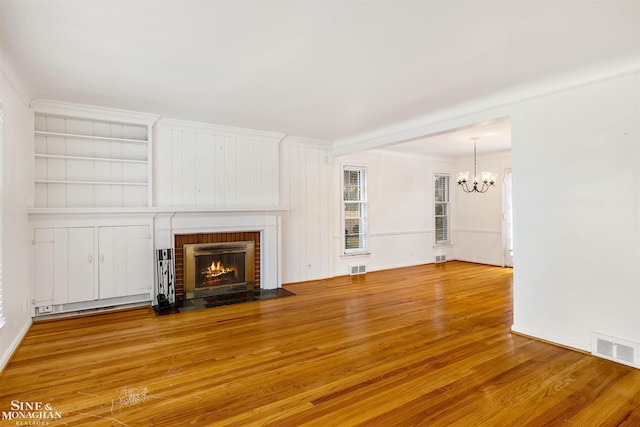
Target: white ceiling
319, 69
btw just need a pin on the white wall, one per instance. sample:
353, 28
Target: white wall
400, 209
200, 165
17, 184
478, 234
576, 163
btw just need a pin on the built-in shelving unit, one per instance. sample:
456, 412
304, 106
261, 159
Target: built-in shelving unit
88, 157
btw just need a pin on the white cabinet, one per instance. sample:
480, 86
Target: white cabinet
82, 264
124, 260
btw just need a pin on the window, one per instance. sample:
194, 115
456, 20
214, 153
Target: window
354, 200
441, 206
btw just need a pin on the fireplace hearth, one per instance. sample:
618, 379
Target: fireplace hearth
218, 268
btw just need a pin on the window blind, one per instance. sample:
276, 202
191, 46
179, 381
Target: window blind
441, 205
354, 198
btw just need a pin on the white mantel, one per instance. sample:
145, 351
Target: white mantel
170, 222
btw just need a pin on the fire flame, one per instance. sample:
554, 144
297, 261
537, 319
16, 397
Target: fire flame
217, 269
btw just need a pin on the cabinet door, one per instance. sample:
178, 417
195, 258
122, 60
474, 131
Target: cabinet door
139, 264
43, 274
63, 265
80, 265
125, 261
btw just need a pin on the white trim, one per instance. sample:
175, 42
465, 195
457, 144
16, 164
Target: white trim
388, 151
482, 261
186, 125
37, 213
391, 266
393, 233
468, 230
401, 233
60, 108
6, 356
566, 342
355, 254
91, 137
93, 159
299, 141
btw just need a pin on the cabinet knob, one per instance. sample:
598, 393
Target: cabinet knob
90, 258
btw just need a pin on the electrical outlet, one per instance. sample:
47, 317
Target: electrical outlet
45, 309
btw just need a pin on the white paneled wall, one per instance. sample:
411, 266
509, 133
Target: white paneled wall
199, 165
305, 188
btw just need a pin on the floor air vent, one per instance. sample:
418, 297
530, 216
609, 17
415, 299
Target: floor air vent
357, 269
616, 349
441, 258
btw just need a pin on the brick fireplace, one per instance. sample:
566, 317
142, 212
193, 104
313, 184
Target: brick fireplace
201, 238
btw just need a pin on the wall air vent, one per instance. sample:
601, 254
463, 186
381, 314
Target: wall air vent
616, 349
357, 269
441, 259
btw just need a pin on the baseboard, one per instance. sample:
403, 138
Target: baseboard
6, 357
386, 267
480, 261
551, 339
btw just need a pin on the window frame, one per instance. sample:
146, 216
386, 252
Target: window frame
447, 208
362, 201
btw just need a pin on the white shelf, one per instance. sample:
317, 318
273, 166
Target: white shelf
63, 181
87, 158
90, 160
91, 137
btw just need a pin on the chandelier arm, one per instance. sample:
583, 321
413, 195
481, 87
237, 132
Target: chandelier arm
465, 187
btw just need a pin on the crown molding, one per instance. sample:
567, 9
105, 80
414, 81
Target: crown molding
186, 125
407, 155
61, 108
301, 141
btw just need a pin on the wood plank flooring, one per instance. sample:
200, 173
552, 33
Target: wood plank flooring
425, 345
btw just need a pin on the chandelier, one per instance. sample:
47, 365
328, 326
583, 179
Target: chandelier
487, 179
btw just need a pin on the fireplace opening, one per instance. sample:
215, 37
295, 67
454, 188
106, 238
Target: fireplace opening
215, 268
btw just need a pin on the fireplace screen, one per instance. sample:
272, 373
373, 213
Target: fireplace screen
214, 268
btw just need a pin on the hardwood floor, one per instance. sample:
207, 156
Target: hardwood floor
426, 345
